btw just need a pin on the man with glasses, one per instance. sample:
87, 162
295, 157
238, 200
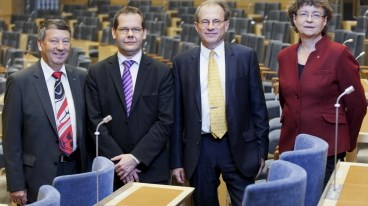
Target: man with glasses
220, 119
137, 92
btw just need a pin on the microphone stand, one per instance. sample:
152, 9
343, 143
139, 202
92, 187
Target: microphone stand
337, 105
365, 23
97, 133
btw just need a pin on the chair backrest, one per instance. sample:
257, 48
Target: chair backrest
81, 189
335, 22
281, 31
357, 46
285, 186
340, 35
47, 196
310, 152
267, 28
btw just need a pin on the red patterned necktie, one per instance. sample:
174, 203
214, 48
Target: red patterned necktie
64, 125
128, 84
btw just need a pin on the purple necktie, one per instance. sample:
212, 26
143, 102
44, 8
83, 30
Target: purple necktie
128, 84
64, 125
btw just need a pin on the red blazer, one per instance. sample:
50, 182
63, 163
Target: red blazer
308, 104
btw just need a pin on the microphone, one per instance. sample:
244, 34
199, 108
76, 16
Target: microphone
364, 22
31, 16
107, 119
337, 105
29, 47
144, 46
7, 65
361, 54
366, 13
347, 41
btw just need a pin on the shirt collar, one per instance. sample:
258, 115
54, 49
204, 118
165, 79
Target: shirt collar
47, 70
219, 50
137, 58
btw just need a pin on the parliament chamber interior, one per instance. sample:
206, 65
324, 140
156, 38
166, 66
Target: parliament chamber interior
260, 24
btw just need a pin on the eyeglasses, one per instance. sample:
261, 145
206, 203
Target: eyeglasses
215, 23
126, 30
304, 15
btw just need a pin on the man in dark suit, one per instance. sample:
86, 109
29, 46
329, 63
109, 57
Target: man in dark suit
33, 125
137, 92
201, 145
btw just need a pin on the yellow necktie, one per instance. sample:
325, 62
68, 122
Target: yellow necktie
216, 99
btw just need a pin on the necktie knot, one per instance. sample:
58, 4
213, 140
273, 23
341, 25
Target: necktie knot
128, 63
212, 54
57, 75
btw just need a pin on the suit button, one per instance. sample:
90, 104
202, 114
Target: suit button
200, 120
126, 121
197, 142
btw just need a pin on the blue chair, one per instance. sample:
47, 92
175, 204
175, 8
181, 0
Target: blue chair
310, 153
47, 196
285, 186
81, 189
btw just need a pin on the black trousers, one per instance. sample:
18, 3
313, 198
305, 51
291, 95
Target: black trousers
215, 160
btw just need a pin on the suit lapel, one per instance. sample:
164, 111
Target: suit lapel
114, 70
143, 73
77, 94
43, 94
196, 76
230, 63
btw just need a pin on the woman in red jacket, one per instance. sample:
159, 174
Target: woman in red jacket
313, 73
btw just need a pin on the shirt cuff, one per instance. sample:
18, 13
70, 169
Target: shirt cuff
136, 160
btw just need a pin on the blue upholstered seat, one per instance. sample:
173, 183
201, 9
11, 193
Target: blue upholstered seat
47, 196
310, 152
285, 186
81, 189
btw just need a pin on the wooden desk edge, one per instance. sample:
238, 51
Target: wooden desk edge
342, 169
187, 191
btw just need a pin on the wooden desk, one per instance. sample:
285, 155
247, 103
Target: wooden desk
363, 133
136, 194
105, 51
29, 60
351, 184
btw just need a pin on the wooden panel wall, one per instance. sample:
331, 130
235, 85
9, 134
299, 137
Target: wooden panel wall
9, 7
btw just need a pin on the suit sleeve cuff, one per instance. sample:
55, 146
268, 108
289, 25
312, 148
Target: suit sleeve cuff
136, 160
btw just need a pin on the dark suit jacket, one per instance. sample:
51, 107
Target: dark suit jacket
246, 112
308, 103
30, 136
145, 132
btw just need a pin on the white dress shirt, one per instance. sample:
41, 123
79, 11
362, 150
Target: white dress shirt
220, 60
50, 82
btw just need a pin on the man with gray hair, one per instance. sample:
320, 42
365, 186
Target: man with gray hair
44, 117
